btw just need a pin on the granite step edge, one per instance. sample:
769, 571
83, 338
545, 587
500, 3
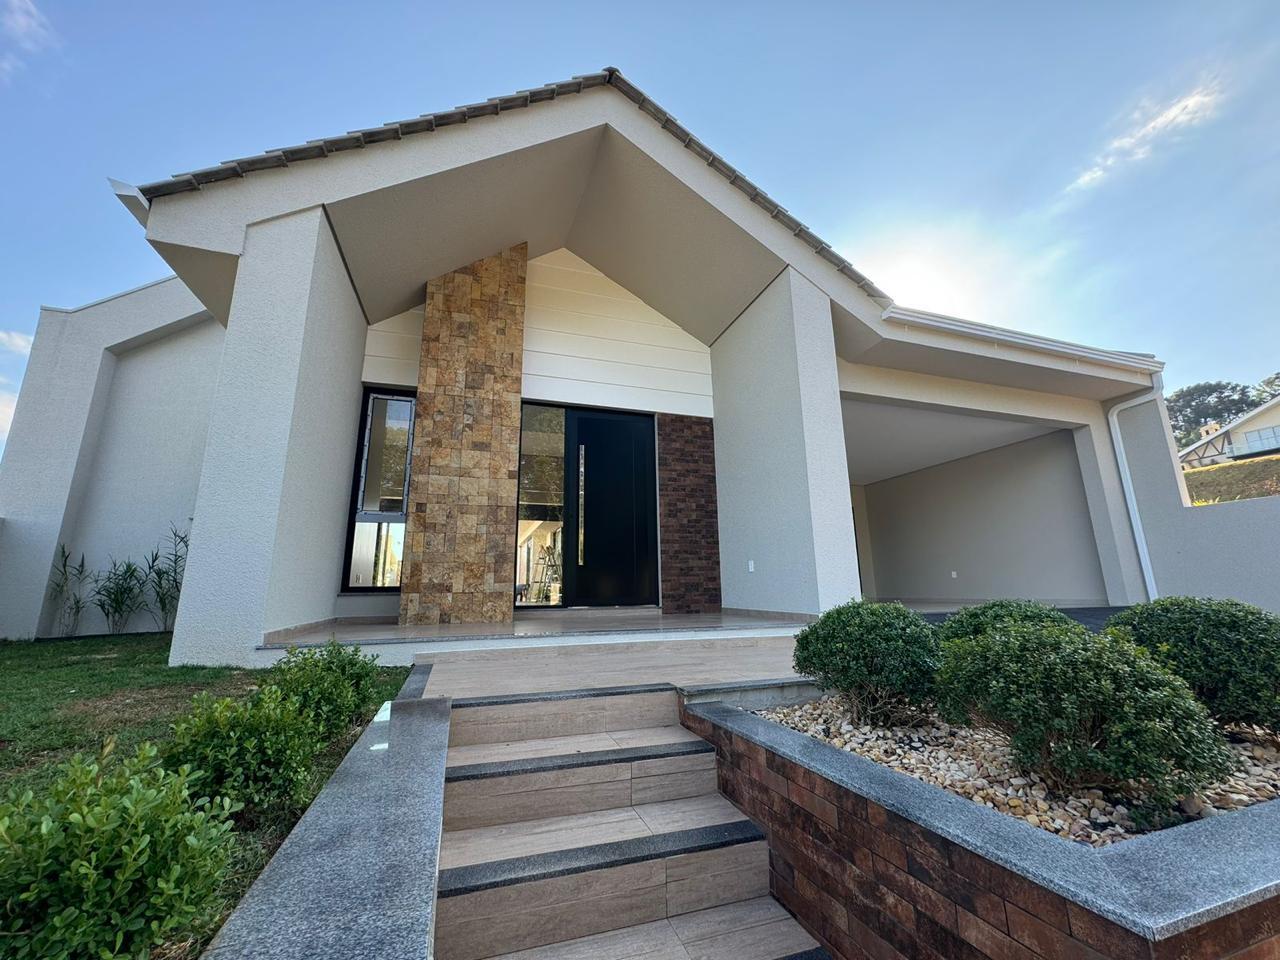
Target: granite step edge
473, 878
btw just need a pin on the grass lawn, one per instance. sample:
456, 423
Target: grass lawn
1238, 480
61, 697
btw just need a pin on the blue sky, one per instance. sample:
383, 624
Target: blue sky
1100, 172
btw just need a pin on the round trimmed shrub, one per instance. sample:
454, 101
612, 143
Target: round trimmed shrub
114, 859
977, 620
257, 752
333, 685
1084, 710
881, 656
1228, 651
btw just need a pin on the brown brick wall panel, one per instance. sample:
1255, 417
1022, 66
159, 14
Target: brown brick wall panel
459, 548
688, 529
867, 882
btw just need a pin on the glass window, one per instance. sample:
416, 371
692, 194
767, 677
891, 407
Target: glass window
1264, 439
376, 549
386, 457
539, 546
382, 486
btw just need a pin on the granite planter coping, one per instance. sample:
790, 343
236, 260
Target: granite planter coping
357, 875
1156, 885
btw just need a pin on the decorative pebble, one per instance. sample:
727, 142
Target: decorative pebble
977, 764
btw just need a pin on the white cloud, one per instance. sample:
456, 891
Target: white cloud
7, 402
15, 342
1151, 125
26, 26
25, 31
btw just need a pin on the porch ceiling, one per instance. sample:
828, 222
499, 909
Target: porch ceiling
884, 440
593, 192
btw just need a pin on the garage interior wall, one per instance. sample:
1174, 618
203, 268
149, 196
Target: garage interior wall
1010, 522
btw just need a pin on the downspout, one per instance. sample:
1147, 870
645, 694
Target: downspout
1126, 480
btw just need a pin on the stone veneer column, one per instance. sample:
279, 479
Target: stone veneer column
459, 546
689, 535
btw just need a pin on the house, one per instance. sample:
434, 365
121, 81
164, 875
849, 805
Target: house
1254, 434
550, 350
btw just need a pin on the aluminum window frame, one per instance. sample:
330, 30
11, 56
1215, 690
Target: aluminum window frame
359, 476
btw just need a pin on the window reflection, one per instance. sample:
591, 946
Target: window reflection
539, 538
378, 520
386, 463
376, 550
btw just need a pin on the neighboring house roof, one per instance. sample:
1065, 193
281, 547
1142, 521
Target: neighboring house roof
1274, 401
608, 77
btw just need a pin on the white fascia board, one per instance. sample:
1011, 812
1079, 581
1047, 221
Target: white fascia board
1001, 336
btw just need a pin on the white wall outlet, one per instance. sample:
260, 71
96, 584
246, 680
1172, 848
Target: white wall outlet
953, 574
751, 566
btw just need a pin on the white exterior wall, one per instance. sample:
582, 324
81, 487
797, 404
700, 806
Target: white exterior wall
782, 480
272, 507
64, 419
587, 342
1010, 522
1223, 550
148, 454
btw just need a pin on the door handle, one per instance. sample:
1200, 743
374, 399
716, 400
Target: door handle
582, 504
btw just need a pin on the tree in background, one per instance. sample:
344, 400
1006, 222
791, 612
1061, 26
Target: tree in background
1215, 401
1270, 387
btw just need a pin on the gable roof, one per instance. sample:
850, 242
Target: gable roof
608, 77
1248, 415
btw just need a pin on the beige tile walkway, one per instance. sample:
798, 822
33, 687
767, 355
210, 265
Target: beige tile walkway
473, 673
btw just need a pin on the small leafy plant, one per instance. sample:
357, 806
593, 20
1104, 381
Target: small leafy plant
162, 572
1228, 651
881, 656
333, 685
257, 752
1084, 710
119, 592
114, 859
66, 588
977, 620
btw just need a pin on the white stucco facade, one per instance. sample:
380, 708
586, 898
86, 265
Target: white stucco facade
861, 448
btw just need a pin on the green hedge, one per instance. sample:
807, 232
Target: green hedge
881, 656
333, 685
117, 857
258, 752
1084, 710
977, 620
1228, 651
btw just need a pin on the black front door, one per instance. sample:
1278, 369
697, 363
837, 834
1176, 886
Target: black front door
611, 547
605, 553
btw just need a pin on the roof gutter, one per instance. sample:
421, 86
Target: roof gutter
1126, 480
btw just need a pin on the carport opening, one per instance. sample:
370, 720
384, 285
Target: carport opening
954, 507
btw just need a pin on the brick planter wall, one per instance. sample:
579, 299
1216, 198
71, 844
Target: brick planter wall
867, 882
689, 534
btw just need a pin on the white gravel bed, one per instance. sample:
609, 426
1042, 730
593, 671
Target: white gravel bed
976, 763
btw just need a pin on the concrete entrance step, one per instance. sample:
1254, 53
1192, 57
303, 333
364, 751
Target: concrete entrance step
497, 791
489, 908
508, 718
757, 929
